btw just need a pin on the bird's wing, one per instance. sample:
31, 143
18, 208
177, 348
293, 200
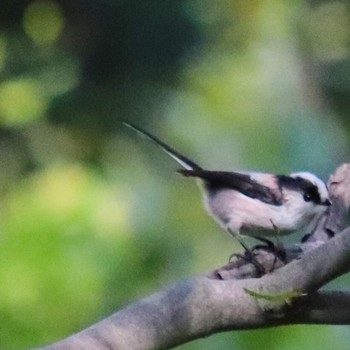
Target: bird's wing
244, 183
186, 163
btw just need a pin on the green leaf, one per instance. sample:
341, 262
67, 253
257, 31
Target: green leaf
286, 297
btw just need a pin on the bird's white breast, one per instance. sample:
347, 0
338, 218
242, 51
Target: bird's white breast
249, 216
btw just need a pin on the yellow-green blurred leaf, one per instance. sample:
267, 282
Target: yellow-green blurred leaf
43, 21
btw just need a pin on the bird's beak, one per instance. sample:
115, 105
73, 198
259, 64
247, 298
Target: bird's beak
327, 202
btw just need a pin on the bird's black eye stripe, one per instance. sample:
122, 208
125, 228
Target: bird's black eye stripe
308, 190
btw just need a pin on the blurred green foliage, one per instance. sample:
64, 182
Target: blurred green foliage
93, 218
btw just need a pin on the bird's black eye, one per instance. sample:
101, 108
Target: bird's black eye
307, 197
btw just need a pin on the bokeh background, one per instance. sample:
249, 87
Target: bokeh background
91, 216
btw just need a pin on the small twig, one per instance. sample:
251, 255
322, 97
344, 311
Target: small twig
325, 307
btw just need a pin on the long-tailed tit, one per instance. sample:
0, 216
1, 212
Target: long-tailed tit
255, 204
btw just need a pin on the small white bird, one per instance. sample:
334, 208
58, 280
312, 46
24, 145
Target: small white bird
255, 204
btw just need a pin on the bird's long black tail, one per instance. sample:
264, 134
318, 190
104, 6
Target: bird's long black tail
186, 163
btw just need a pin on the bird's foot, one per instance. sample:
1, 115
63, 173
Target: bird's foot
250, 257
277, 250
258, 253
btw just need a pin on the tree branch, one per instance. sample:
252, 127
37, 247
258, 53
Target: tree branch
325, 307
220, 301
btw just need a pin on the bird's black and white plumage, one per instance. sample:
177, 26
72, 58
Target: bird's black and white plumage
255, 204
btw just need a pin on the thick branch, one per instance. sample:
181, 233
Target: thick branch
202, 306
